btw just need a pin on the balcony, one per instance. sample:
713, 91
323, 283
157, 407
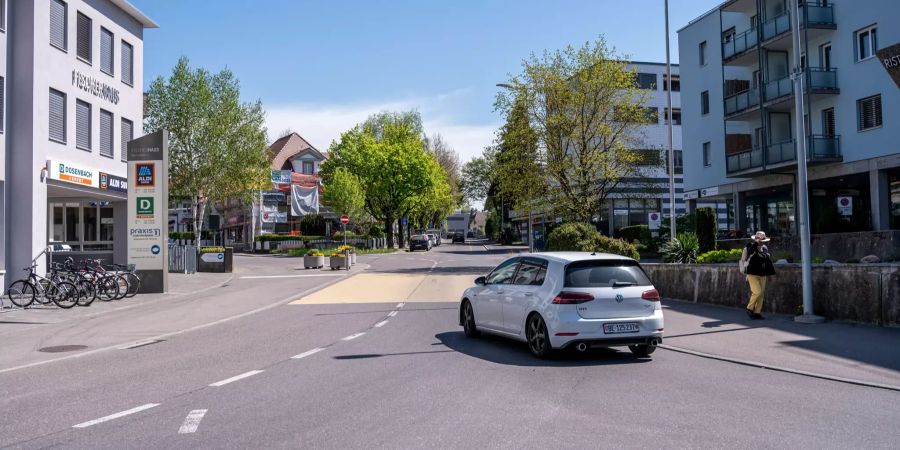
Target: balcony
739, 45
745, 161
745, 101
814, 15
818, 81
774, 90
758, 160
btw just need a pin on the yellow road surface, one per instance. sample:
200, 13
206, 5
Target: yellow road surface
387, 288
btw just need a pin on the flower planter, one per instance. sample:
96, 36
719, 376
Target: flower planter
313, 262
339, 262
220, 262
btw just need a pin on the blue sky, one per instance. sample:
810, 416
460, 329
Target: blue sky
320, 67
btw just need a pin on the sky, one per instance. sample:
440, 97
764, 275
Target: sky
321, 67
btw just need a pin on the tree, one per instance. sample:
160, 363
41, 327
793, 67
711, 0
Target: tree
448, 160
217, 145
584, 107
387, 154
518, 170
478, 176
433, 205
344, 193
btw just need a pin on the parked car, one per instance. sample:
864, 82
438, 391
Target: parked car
470, 234
419, 242
562, 300
430, 238
458, 238
437, 236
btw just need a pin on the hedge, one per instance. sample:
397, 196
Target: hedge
720, 256
212, 249
583, 237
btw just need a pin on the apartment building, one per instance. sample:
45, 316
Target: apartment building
739, 110
73, 77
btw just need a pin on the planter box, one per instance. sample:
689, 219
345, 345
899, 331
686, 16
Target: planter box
216, 262
313, 262
339, 262
353, 258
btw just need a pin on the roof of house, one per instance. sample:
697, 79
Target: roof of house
129, 9
289, 146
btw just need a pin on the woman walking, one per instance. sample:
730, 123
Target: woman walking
756, 262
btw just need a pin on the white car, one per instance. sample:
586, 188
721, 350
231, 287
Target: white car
562, 300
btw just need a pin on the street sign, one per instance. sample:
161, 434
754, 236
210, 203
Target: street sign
148, 192
653, 220
344, 219
890, 59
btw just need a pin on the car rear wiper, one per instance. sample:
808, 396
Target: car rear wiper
623, 284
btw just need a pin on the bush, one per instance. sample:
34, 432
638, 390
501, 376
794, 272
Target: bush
376, 231
683, 249
582, 237
720, 256
341, 234
707, 228
212, 249
313, 225
181, 235
604, 244
640, 233
787, 256
297, 252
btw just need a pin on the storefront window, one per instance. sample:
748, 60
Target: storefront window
895, 203
106, 224
90, 223
81, 226
56, 232
73, 223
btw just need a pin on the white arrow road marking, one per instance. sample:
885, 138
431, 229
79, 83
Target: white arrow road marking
236, 378
392, 313
381, 324
116, 415
308, 353
400, 305
352, 337
192, 421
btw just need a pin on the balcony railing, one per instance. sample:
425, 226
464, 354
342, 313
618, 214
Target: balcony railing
819, 14
819, 147
824, 147
778, 88
818, 78
741, 101
776, 26
739, 44
814, 14
749, 159
780, 152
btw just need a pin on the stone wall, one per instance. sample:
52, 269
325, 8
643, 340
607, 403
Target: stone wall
837, 246
864, 293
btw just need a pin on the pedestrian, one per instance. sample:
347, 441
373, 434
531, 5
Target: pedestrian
756, 263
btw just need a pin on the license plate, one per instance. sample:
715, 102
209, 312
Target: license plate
616, 328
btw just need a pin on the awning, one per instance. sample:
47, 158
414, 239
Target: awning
61, 189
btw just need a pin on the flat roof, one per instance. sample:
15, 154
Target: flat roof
717, 8
130, 9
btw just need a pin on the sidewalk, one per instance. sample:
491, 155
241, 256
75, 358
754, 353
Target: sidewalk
857, 352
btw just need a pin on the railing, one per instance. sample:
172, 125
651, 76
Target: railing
776, 26
819, 14
778, 88
819, 147
821, 78
826, 147
781, 152
749, 159
182, 258
739, 43
813, 13
741, 101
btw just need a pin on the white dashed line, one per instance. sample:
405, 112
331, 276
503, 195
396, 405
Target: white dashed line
381, 324
116, 415
192, 421
400, 305
257, 277
236, 378
352, 337
139, 344
308, 353
392, 313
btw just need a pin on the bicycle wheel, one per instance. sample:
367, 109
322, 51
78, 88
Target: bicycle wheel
63, 294
134, 284
87, 293
41, 295
107, 288
124, 286
21, 293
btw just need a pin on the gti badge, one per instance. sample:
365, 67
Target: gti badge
619, 298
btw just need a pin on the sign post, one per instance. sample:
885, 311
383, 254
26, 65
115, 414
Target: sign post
148, 203
344, 221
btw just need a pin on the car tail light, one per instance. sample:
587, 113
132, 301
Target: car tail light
652, 295
572, 298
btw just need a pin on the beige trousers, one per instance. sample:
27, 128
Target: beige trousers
757, 292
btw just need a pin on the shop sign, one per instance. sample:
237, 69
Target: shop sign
144, 208
110, 182
845, 206
144, 232
147, 241
213, 257
890, 59
709, 192
281, 176
690, 195
274, 217
95, 87
273, 197
268, 208
146, 174
653, 219
73, 173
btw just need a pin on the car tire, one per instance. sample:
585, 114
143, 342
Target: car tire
537, 337
642, 350
468, 320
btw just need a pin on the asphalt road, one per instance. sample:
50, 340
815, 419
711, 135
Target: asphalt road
400, 374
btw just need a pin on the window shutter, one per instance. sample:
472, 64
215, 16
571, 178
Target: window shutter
84, 37
106, 51
82, 125
869, 112
58, 24
106, 133
876, 111
127, 63
127, 135
57, 116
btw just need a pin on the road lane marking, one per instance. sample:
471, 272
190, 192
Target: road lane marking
116, 415
392, 313
255, 277
308, 353
352, 336
140, 344
400, 305
381, 324
192, 421
236, 378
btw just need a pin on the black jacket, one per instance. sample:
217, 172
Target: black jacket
759, 260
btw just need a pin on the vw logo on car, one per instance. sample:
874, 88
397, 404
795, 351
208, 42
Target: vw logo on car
619, 298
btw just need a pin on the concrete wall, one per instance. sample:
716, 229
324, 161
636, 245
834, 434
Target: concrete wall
837, 246
858, 293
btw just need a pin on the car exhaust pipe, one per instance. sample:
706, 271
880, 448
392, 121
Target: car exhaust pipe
581, 347
654, 343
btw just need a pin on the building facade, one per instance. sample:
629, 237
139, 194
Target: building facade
739, 112
73, 85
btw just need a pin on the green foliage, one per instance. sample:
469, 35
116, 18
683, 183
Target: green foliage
787, 256
583, 237
295, 252
179, 235
212, 249
492, 224
343, 193
315, 252
707, 228
312, 225
284, 237
818, 260
341, 234
720, 256
519, 176
640, 233
478, 176
683, 249
375, 231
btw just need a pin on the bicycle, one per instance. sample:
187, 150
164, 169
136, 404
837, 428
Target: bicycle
87, 292
123, 283
128, 272
23, 293
107, 287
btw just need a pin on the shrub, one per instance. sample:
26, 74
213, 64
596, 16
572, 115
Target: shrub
604, 244
683, 249
640, 233
212, 249
297, 252
582, 237
707, 228
787, 256
345, 247
315, 252
342, 234
313, 224
720, 256
376, 231
181, 235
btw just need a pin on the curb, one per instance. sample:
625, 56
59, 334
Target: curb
781, 369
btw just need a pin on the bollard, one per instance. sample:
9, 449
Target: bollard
347, 258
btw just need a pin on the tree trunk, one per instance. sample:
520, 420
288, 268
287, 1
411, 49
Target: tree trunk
198, 206
389, 231
401, 235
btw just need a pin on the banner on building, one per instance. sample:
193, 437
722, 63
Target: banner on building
272, 197
304, 200
281, 176
890, 59
274, 217
268, 208
845, 206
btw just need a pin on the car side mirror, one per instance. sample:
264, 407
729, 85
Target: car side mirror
481, 281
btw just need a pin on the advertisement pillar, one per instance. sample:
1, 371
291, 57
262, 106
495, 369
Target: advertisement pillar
148, 206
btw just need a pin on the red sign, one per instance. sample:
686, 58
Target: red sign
345, 220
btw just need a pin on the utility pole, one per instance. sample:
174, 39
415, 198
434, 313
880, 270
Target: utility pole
798, 76
671, 153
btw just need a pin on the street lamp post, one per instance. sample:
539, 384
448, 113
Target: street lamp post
671, 152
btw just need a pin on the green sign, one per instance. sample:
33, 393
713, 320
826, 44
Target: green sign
145, 207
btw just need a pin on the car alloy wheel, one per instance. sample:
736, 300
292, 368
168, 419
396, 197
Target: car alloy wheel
538, 340
469, 327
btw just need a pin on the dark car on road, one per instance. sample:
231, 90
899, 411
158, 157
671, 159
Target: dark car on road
458, 238
419, 242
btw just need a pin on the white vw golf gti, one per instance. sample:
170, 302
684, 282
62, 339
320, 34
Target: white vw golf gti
563, 300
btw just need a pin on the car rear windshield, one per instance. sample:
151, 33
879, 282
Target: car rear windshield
605, 273
417, 237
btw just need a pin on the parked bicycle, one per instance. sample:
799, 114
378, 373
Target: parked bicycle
23, 293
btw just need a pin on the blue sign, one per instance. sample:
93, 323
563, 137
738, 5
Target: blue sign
403, 221
110, 182
155, 249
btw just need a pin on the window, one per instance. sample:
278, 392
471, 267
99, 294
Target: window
2, 15
58, 24
84, 44
828, 122
728, 35
309, 168
707, 154
679, 159
703, 53
84, 225
646, 81
106, 133
531, 272
648, 158
83, 125
825, 55
869, 112
127, 63
504, 273
676, 83
2, 97
803, 60
604, 273
651, 115
866, 43
127, 130
676, 116
704, 102
57, 116
106, 51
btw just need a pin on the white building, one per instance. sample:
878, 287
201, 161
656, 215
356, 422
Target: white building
73, 76
736, 62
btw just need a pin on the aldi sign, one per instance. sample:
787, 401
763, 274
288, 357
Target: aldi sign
146, 174
109, 182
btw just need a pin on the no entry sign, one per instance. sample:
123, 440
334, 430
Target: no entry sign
344, 219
